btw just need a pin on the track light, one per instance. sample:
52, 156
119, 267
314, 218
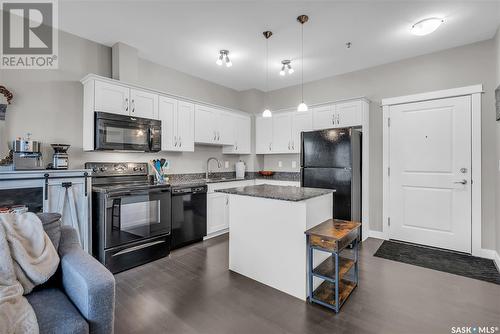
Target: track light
223, 57
286, 67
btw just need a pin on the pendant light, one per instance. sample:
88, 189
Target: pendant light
267, 112
302, 19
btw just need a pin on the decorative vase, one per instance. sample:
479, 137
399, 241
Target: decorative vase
3, 110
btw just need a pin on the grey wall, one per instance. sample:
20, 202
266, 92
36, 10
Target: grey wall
49, 104
462, 66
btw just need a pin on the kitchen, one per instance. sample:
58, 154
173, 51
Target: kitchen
205, 119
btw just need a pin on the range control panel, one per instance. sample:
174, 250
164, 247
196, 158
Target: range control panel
117, 168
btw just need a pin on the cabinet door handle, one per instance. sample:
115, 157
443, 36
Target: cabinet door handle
180, 141
215, 135
132, 105
175, 141
269, 146
293, 145
126, 104
218, 135
227, 200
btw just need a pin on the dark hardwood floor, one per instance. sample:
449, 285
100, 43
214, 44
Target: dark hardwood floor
192, 291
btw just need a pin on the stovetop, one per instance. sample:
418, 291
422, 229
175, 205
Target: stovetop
123, 187
112, 177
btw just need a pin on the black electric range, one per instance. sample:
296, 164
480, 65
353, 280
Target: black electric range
131, 217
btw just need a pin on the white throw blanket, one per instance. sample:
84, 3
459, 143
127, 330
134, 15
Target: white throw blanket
27, 259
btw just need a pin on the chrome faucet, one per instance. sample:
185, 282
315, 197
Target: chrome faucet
219, 164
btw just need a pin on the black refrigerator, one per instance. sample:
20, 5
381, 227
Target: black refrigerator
331, 159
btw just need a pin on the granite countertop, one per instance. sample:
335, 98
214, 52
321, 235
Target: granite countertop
284, 193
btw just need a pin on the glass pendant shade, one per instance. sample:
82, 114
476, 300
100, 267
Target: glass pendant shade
302, 107
267, 113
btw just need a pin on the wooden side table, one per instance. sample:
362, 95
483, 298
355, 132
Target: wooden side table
338, 272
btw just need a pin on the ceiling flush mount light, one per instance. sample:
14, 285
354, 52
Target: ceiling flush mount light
224, 58
426, 26
302, 19
286, 66
267, 112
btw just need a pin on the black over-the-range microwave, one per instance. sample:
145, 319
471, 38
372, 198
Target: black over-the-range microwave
127, 133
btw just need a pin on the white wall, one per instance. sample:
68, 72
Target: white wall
462, 66
49, 104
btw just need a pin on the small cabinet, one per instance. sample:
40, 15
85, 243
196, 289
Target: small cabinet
242, 137
324, 117
120, 99
263, 135
143, 104
213, 126
177, 124
217, 212
339, 115
111, 98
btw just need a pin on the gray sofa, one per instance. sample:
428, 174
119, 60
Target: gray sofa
80, 298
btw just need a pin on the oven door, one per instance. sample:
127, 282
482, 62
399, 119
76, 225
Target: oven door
137, 215
120, 132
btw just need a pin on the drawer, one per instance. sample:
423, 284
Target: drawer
320, 242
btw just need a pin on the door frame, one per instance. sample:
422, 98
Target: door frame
475, 92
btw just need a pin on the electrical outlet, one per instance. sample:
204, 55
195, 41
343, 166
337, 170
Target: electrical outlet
226, 164
294, 164
280, 164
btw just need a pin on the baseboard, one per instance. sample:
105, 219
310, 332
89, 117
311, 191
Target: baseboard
216, 234
375, 234
490, 254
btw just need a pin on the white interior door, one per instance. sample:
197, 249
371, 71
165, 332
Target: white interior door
430, 173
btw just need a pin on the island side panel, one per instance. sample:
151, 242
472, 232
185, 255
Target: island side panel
267, 241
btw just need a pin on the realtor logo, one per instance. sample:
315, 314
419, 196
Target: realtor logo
29, 34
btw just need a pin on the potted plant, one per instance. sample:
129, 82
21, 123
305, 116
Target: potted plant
7, 97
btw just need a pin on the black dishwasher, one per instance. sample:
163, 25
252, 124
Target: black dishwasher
189, 215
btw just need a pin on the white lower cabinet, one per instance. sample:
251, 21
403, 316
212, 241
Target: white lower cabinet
217, 212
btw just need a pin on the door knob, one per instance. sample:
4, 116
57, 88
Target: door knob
461, 182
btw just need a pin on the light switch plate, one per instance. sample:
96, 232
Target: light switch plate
294, 164
168, 164
226, 164
280, 164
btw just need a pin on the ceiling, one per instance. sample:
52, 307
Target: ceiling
187, 35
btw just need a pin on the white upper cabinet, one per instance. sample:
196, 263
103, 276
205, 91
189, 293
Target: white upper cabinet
281, 133
205, 120
349, 113
177, 124
143, 104
263, 135
339, 115
111, 98
214, 126
167, 112
282, 129
225, 128
323, 117
185, 126
242, 136
301, 121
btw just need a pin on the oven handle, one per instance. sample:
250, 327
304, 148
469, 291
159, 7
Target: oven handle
135, 248
141, 192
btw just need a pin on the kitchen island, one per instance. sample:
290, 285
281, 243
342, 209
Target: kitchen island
266, 233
